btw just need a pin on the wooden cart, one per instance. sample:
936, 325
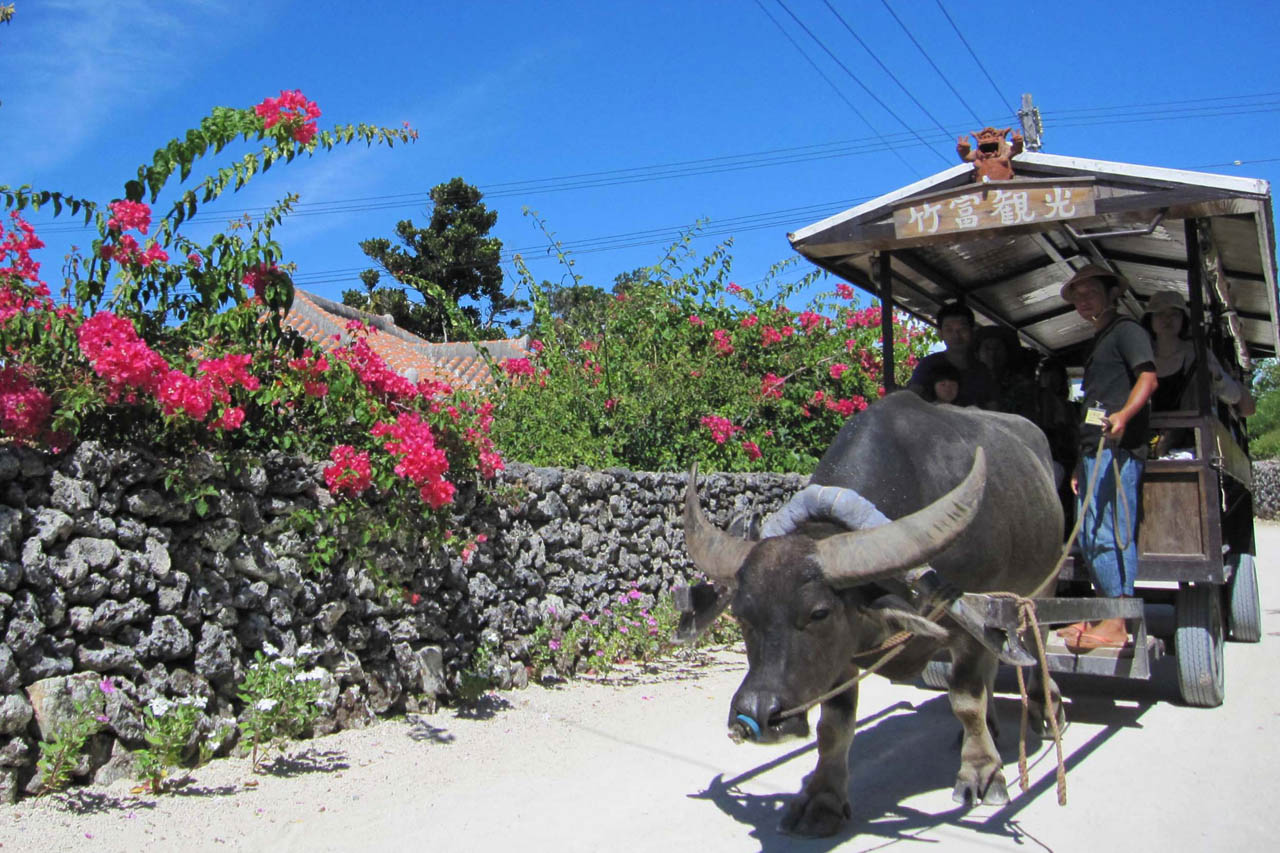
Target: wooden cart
1006, 247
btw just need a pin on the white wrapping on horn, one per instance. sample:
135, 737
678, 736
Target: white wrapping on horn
824, 502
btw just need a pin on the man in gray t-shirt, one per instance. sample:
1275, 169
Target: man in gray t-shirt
1119, 378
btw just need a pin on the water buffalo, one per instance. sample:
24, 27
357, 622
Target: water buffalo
972, 493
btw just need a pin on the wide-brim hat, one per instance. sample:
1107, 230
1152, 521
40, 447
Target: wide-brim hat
1092, 271
1166, 300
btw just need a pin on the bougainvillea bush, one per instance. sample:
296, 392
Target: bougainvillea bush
158, 340
684, 366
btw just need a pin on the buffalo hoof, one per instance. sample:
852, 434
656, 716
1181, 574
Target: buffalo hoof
968, 790
815, 815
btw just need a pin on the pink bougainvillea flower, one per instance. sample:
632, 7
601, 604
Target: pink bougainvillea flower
195, 260
24, 408
748, 321
695, 320
722, 429
844, 291
129, 215
771, 386
752, 451
350, 473
722, 342
517, 367
293, 112
838, 369
231, 418
769, 335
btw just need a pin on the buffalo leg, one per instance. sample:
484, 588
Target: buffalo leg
973, 674
822, 807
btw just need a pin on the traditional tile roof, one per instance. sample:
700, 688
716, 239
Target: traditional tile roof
319, 320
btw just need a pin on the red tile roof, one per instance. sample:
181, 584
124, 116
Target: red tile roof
319, 320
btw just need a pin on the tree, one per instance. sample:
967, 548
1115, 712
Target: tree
451, 267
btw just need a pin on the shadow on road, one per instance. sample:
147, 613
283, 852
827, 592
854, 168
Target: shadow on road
486, 707
307, 761
420, 730
91, 802
906, 750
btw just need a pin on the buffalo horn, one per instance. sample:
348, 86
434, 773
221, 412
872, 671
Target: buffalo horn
867, 555
716, 554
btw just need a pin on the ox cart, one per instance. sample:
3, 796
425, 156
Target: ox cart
1005, 247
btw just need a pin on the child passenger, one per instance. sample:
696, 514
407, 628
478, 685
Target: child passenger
946, 383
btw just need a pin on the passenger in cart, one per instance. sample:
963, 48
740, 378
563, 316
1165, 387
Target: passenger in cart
1119, 379
977, 385
1169, 322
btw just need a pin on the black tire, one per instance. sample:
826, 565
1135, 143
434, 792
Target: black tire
1244, 622
1198, 642
937, 675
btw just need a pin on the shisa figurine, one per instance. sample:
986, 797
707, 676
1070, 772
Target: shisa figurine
992, 159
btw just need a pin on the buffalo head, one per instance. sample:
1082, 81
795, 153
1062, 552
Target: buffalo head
807, 602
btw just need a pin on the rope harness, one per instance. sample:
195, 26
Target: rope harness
1027, 621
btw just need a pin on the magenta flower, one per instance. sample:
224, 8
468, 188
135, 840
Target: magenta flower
107, 686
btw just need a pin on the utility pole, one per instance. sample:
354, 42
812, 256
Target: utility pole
1032, 126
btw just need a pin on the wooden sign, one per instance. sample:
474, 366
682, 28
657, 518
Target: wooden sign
992, 205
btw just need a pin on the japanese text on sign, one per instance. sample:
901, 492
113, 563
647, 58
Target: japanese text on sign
992, 207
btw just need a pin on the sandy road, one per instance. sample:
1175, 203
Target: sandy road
643, 764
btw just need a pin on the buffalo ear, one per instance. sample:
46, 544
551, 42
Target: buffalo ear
897, 615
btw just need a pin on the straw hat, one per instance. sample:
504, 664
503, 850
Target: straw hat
1166, 300
1092, 271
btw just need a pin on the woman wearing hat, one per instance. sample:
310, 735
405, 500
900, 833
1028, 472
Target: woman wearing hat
1119, 379
1169, 322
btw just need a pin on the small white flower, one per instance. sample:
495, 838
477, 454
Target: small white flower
285, 662
307, 651
160, 706
316, 674
191, 701
266, 704
269, 650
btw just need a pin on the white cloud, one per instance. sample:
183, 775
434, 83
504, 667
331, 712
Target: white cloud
74, 69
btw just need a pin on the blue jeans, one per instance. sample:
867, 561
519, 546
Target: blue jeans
1108, 524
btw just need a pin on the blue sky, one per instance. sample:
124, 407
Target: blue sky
770, 132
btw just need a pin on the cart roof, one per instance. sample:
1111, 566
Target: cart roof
1008, 246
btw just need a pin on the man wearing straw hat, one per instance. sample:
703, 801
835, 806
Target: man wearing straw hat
1119, 379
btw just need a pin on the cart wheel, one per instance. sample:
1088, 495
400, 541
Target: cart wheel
937, 675
1198, 643
1245, 619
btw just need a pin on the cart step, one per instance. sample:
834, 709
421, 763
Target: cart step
1133, 661
1124, 663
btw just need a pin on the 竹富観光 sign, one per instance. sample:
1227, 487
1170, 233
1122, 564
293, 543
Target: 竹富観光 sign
992, 206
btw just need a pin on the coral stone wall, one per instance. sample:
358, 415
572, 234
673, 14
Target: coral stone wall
106, 571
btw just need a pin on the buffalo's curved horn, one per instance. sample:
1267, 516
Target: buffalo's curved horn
867, 555
716, 554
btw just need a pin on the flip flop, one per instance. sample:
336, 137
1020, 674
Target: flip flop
1074, 628
1087, 642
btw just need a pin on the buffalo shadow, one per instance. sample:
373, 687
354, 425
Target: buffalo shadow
923, 737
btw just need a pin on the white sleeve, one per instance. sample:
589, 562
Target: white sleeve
1225, 387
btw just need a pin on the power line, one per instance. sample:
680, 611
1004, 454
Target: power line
855, 79
834, 87
943, 9
929, 59
883, 67
1078, 117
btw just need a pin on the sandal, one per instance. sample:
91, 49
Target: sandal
1087, 642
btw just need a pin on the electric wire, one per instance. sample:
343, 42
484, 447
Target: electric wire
884, 68
1012, 110
833, 86
933, 64
1198, 108
855, 79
